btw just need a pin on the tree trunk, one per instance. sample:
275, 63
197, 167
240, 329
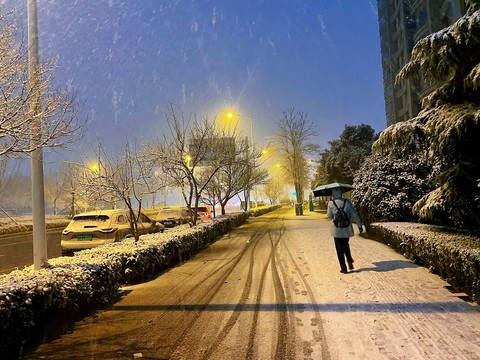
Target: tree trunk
72, 208
299, 191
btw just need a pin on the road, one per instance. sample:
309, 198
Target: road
16, 250
272, 289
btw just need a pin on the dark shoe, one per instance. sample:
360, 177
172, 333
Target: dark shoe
344, 271
350, 266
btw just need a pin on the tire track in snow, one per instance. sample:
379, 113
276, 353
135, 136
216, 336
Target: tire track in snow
244, 296
206, 298
285, 332
258, 299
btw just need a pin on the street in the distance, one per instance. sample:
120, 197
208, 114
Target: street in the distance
16, 249
271, 289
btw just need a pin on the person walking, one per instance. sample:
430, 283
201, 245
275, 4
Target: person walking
342, 211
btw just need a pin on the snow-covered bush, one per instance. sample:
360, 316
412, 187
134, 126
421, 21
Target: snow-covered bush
452, 203
386, 189
453, 255
448, 127
447, 137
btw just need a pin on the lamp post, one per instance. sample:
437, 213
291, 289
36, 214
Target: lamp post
231, 115
37, 179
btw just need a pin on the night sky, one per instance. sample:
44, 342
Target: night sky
127, 60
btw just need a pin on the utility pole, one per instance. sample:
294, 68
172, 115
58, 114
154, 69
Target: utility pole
38, 195
249, 171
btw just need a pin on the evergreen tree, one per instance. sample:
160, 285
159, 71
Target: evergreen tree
345, 156
447, 130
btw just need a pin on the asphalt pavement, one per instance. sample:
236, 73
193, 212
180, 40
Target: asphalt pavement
271, 289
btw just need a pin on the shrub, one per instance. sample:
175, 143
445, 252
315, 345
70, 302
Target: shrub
386, 189
453, 255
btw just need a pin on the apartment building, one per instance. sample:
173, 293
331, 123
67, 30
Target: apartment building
401, 24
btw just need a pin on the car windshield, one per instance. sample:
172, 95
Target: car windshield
91, 218
169, 212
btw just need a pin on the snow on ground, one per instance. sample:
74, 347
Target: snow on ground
14, 224
387, 308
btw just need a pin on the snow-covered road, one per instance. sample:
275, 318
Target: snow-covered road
272, 289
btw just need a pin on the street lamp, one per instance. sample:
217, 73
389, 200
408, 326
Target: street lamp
36, 160
231, 115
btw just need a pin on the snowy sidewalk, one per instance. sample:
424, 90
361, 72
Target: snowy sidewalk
271, 289
388, 307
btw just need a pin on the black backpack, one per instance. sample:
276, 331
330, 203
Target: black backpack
341, 219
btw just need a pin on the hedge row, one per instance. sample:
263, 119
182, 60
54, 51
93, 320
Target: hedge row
454, 256
91, 278
24, 223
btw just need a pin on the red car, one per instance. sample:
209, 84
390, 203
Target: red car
204, 212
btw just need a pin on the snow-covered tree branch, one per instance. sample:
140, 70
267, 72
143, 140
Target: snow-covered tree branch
53, 122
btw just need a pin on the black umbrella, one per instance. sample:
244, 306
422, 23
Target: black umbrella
326, 190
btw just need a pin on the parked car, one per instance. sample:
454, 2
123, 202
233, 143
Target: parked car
173, 216
204, 212
94, 228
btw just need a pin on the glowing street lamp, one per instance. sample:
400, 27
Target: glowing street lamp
187, 160
231, 115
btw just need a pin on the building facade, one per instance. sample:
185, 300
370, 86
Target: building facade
401, 24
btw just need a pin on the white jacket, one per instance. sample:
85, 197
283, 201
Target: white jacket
352, 214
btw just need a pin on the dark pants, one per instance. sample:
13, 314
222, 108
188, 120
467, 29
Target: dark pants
343, 251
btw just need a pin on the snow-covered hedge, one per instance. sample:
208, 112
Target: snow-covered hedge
454, 256
386, 189
16, 224
92, 278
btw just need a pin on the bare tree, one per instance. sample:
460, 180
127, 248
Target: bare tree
119, 178
57, 113
70, 173
3, 169
273, 191
242, 171
192, 145
54, 190
15, 191
293, 143
212, 192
